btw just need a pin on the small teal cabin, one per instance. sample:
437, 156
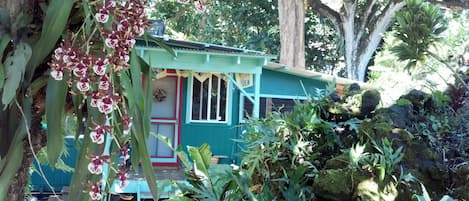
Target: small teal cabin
204, 92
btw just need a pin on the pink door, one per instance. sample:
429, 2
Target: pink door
165, 120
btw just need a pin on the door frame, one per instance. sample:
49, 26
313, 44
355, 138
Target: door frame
156, 160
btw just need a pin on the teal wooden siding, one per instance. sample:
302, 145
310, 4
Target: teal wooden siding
218, 135
56, 177
283, 84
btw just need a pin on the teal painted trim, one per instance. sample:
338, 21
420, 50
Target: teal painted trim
281, 96
239, 87
189, 98
257, 90
189, 104
273, 82
241, 107
197, 61
230, 103
164, 160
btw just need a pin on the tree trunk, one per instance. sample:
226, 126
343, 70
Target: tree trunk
362, 29
21, 179
38, 140
292, 42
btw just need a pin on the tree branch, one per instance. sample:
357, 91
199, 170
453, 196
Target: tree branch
381, 23
324, 10
365, 17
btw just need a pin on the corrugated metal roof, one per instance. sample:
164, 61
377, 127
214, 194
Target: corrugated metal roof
199, 46
311, 74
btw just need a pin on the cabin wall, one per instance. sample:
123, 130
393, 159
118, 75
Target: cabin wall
218, 135
283, 84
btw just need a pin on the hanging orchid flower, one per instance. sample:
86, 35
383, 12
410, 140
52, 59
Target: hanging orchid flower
112, 40
106, 105
95, 191
97, 135
102, 16
91, 63
100, 65
57, 74
95, 98
104, 83
96, 165
199, 6
84, 84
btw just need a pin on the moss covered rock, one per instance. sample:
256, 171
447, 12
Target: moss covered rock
337, 184
370, 190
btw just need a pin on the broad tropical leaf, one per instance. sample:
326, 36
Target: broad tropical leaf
15, 65
55, 20
76, 185
14, 157
141, 129
201, 157
55, 114
3, 44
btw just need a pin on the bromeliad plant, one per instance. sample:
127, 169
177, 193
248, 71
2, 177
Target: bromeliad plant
94, 74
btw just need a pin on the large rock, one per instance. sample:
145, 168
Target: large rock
337, 184
370, 190
370, 99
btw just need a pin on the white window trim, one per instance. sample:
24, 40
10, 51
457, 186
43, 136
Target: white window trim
190, 94
241, 102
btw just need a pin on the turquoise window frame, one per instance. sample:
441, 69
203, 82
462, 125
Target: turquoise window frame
228, 109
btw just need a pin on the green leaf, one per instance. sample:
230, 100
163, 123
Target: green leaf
141, 128
138, 131
163, 139
3, 44
134, 154
77, 104
55, 106
55, 21
15, 65
14, 157
180, 199
128, 89
201, 157
76, 185
425, 194
38, 84
183, 157
403, 102
136, 76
